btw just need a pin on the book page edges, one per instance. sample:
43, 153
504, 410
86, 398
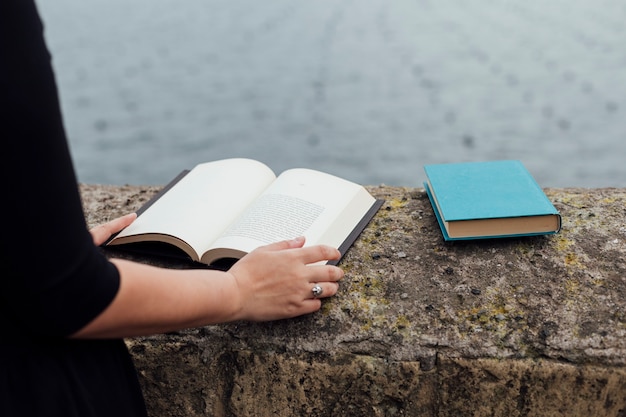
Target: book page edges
161, 238
216, 254
357, 230
504, 226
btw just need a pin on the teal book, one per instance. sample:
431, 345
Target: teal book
478, 200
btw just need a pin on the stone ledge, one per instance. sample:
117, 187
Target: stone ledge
530, 326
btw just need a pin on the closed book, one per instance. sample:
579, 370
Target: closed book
492, 199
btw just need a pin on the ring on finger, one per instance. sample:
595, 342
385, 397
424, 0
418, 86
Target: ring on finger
317, 290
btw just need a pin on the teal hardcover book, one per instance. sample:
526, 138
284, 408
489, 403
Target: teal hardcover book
478, 200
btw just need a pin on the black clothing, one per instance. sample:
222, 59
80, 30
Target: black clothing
53, 280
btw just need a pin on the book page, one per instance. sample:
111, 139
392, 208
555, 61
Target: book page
202, 205
273, 217
319, 206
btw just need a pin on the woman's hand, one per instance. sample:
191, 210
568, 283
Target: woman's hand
103, 232
276, 281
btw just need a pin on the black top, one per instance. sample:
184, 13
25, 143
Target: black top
53, 279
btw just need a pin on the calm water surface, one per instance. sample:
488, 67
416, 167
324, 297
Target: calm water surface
368, 90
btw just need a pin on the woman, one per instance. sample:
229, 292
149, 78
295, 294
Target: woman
64, 307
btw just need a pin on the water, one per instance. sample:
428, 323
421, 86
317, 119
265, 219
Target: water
368, 90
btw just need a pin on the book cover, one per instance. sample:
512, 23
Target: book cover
474, 200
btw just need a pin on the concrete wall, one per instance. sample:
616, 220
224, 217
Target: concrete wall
420, 327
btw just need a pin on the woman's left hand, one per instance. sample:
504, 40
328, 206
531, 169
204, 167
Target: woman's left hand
103, 232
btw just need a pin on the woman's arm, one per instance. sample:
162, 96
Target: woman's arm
272, 282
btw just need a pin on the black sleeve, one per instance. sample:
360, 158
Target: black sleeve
54, 280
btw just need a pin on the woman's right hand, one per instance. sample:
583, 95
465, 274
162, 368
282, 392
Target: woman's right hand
276, 281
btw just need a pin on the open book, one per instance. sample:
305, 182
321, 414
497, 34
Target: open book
224, 209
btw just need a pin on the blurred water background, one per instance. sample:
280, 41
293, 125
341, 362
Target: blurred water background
370, 90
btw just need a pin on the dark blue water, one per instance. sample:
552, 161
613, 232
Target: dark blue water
368, 90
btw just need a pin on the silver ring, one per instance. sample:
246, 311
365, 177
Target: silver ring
317, 290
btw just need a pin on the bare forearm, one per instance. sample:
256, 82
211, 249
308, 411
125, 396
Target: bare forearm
154, 300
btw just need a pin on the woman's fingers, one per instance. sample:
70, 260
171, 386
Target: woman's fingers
103, 232
323, 273
295, 243
322, 290
308, 255
313, 254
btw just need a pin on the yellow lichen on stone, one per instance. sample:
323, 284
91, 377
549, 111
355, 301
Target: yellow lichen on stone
563, 243
366, 302
402, 322
327, 306
572, 287
397, 203
571, 200
572, 260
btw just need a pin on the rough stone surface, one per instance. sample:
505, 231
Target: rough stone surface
519, 327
